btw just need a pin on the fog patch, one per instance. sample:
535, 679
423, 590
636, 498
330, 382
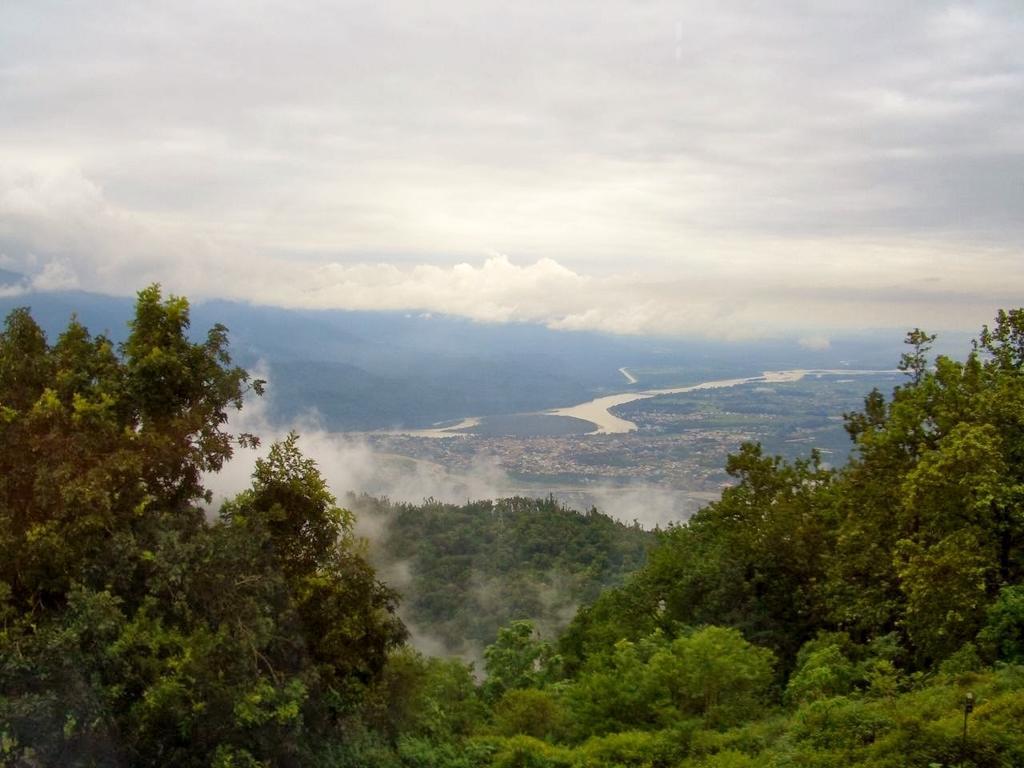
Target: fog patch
397, 574
650, 506
433, 645
350, 465
815, 342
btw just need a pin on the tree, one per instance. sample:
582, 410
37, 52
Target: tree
517, 659
824, 673
753, 560
1003, 633
715, 673
915, 362
528, 711
96, 447
933, 493
134, 630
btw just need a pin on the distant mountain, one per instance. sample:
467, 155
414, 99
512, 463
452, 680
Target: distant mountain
370, 370
8, 278
367, 370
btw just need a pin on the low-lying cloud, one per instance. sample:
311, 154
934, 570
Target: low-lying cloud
350, 465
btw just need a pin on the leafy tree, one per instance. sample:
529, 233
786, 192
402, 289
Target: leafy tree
1003, 633
824, 673
135, 631
714, 673
529, 711
930, 510
915, 362
946, 590
753, 560
424, 698
611, 693
517, 659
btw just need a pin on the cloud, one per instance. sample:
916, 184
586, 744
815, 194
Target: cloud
56, 275
658, 167
349, 464
818, 342
65, 233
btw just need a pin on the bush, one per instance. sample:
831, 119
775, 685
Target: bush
530, 712
641, 749
528, 752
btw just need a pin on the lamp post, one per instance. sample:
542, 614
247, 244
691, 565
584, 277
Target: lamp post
968, 708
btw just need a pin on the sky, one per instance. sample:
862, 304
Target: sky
720, 169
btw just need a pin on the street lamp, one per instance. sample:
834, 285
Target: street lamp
968, 708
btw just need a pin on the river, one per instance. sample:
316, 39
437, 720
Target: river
598, 411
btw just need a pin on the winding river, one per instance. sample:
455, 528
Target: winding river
598, 411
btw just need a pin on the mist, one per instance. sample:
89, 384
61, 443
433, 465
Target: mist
351, 466
353, 470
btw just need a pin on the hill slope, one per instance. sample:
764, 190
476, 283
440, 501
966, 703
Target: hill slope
466, 571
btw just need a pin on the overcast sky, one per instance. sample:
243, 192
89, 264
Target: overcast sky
721, 168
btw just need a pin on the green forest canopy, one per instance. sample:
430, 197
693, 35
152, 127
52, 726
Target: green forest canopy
811, 617
464, 571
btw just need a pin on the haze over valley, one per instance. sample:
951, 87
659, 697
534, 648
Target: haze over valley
411, 406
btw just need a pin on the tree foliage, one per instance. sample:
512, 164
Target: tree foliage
465, 571
916, 535
135, 631
812, 616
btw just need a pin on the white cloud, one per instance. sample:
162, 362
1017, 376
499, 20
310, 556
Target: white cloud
56, 275
349, 464
70, 235
816, 342
657, 167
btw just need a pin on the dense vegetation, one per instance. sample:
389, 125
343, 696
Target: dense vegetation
812, 617
918, 535
464, 571
134, 631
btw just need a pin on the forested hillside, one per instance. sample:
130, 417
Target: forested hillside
465, 571
812, 617
918, 535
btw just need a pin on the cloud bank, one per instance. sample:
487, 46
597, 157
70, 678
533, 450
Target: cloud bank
662, 167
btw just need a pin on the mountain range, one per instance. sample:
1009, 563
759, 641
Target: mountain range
361, 370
